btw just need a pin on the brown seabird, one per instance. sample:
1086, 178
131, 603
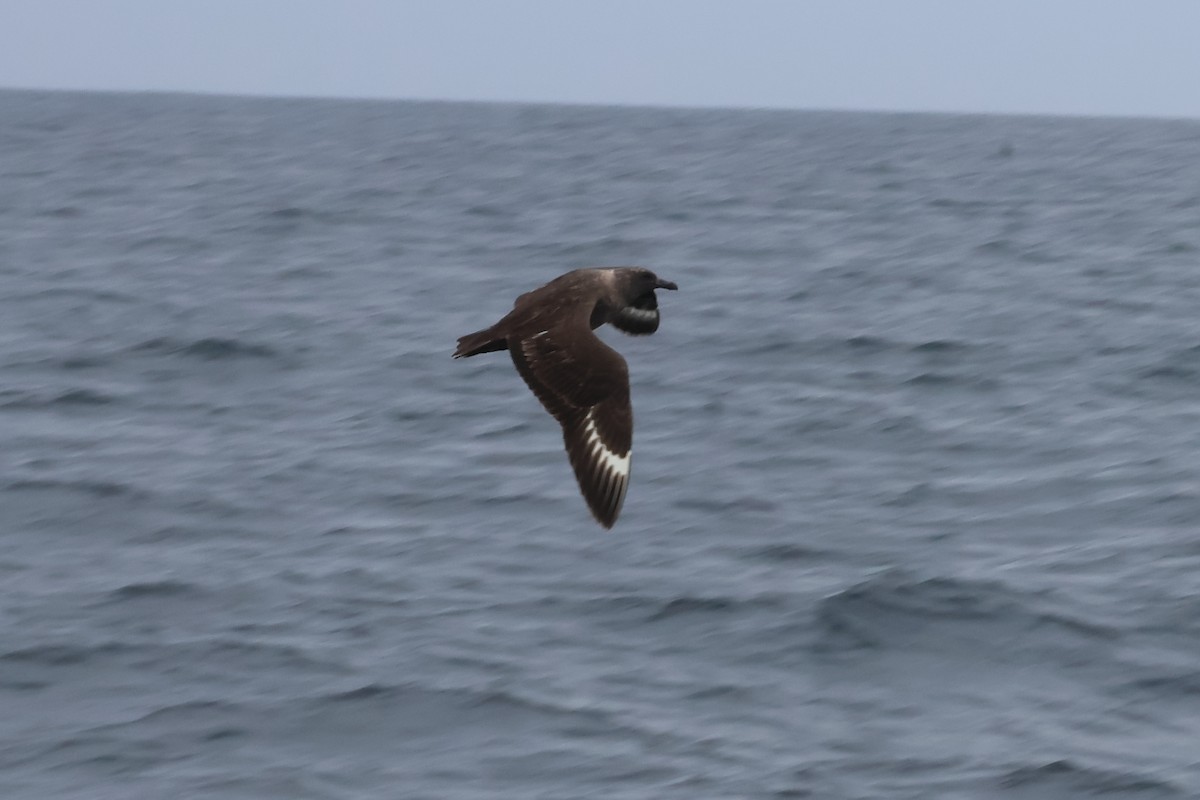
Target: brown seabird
580, 380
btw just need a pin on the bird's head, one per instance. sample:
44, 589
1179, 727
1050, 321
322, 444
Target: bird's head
639, 282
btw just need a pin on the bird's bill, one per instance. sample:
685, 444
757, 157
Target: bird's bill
659, 283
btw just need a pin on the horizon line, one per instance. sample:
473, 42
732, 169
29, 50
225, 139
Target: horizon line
374, 98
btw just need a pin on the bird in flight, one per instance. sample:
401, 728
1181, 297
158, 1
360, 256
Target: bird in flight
580, 380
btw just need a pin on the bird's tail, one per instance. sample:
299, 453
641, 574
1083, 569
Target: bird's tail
484, 341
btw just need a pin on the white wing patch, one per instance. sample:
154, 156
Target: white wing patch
600, 452
607, 474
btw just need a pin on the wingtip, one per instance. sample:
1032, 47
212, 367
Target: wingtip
606, 524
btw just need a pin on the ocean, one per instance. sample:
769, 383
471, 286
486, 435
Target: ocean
915, 506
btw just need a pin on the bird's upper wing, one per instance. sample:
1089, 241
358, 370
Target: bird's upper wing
586, 388
639, 317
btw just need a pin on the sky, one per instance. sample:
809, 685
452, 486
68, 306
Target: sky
1077, 57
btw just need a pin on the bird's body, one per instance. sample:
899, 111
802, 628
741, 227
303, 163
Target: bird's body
579, 379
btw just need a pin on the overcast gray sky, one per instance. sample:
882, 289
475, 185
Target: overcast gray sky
1123, 57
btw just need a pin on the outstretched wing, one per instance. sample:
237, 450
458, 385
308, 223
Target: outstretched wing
639, 317
586, 388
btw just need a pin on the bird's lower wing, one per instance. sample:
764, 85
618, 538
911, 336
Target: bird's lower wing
586, 388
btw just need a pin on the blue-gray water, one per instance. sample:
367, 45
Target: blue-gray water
916, 490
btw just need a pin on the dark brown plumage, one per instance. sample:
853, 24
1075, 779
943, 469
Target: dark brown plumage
580, 380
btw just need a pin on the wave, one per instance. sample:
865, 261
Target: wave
718, 505
1169, 685
454, 702
490, 211
290, 213
164, 242
939, 346
289, 218
235, 654
209, 348
693, 605
657, 609
1068, 778
785, 552
408, 716
1181, 366
135, 745
228, 653
190, 711
895, 609
96, 488
85, 293
59, 654
639, 608
153, 590
62, 212
868, 344
943, 380
81, 397
967, 208
83, 360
